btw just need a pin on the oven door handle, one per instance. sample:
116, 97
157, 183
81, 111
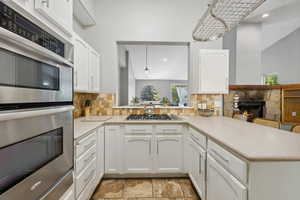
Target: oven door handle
34, 113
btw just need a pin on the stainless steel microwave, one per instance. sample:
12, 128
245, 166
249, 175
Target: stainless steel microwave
24, 80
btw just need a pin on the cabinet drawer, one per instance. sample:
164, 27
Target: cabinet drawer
198, 137
84, 144
85, 177
138, 129
85, 159
69, 194
230, 162
169, 129
88, 191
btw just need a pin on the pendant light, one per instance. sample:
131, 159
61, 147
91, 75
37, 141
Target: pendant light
147, 70
222, 16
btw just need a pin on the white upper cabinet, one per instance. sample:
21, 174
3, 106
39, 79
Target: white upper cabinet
59, 12
81, 61
84, 11
94, 70
86, 67
211, 74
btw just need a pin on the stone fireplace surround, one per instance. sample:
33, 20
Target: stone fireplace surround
271, 97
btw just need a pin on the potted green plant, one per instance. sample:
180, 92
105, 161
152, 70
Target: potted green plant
135, 100
165, 101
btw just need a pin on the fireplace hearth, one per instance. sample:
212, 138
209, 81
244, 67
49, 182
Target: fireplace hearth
255, 109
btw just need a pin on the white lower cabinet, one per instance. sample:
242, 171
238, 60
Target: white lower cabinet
142, 150
169, 153
100, 155
137, 154
113, 150
198, 167
69, 194
88, 191
85, 177
89, 163
221, 184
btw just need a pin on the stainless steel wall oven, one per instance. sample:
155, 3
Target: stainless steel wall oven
36, 153
36, 111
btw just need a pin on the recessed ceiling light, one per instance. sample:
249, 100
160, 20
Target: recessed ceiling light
165, 59
265, 15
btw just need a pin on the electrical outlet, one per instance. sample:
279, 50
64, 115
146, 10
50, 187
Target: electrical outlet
218, 103
294, 114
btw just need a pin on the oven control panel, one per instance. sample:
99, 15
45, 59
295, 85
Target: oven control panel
16, 23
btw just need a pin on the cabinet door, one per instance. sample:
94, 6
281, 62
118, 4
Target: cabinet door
81, 62
64, 12
214, 71
58, 12
169, 153
113, 149
137, 154
100, 155
94, 71
221, 184
198, 167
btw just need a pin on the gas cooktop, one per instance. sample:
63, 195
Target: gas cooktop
149, 117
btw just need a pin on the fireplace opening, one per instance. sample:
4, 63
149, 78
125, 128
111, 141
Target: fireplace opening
255, 109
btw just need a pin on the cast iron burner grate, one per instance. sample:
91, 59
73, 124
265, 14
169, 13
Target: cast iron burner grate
149, 117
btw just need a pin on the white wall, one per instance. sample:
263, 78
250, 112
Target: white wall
274, 32
283, 58
141, 20
248, 54
229, 42
251, 60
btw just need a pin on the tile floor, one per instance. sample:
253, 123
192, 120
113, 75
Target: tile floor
146, 189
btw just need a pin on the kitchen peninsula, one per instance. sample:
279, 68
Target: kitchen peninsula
246, 160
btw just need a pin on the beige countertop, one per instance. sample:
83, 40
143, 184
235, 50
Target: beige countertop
82, 127
251, 141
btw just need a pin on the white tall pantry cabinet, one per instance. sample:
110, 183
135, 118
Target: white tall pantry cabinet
211, 74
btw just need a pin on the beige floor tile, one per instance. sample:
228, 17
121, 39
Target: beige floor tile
167, 188
152, 199
109, 189
192, 198
187, 188
138, 188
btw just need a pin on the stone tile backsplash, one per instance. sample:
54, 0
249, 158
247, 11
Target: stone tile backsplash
103, 104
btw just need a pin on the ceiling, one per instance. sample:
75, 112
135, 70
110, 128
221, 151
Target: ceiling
279, 10
166, 62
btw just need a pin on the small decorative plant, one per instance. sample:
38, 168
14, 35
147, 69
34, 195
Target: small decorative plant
272, 79
165, 101
135, 100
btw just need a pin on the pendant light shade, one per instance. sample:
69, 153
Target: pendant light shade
222, 16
